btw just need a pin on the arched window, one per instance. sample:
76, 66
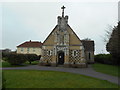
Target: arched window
49, 52
75, 53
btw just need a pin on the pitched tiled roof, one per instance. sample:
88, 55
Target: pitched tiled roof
88, 45
31, 44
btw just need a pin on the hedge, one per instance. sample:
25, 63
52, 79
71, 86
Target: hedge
104, 59
18, 59
32, 57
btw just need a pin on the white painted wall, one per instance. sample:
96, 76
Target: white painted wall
31, 50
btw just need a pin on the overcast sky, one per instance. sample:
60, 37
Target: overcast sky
35, 20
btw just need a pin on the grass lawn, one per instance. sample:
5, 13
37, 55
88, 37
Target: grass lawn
32, 63
6, 64
51, 79
107, 69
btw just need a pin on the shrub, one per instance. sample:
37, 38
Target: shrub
32, 57
16, 59
104, 58
5, 56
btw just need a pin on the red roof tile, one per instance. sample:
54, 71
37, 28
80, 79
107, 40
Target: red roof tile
30, 44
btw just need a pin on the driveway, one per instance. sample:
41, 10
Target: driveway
84, 71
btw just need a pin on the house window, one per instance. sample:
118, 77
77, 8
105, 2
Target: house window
21, 49
33, 49
27, 49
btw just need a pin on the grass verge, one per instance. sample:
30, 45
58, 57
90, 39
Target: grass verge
6, 64
107, 69
52, 79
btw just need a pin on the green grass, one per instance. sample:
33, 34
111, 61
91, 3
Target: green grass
6, 64
32, 63
51, 79
107, 69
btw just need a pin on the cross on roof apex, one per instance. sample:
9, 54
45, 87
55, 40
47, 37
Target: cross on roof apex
63, 7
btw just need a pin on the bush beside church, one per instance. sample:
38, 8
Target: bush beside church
18, 59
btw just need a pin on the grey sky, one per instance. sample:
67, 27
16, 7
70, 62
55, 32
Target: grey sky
34, 21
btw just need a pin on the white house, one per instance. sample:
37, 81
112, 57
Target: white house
30, 47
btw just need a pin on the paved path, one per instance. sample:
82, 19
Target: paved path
84, 71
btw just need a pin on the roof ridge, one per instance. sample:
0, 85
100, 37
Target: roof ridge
31, 44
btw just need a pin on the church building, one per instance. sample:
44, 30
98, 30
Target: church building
64, 47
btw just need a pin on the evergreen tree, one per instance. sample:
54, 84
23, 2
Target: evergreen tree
113, 45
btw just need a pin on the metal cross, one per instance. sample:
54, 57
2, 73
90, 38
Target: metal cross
63, 10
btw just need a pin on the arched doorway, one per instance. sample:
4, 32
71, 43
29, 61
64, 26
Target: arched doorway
60, 58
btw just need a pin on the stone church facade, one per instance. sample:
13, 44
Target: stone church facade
63, 46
